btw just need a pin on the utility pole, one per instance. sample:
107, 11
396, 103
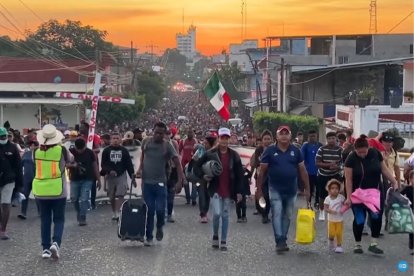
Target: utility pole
282, 86
152, 46
373, 17
97, 59
132, 53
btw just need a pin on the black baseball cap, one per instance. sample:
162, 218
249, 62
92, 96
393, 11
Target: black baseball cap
387, 137
137, 130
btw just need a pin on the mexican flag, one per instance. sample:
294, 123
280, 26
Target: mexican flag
218, 96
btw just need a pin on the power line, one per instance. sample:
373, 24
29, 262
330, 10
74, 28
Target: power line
32, 11
399, 23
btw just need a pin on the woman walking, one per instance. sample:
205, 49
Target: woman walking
363, 169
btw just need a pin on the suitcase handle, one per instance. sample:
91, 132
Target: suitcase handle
130, 190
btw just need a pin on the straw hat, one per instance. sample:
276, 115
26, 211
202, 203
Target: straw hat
49, 135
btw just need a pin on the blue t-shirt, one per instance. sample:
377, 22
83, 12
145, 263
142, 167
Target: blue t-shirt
283, 168
309, 154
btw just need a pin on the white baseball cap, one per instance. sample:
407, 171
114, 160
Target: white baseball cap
224, 132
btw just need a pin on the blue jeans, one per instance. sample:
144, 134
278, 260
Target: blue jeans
155, 196
221, 209
79, 194
52, 209
282, 210
194, 192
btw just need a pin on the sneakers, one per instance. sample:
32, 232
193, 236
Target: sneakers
239, 220
170, 219
194, 203
160, 234
204, 219
115, 217
321, 215
244, 219
282, 247
82, 221
54, 249
332, 245
22, 216
265, 220
358, 249
215, 242
4, 236
148, 243
223, 246
373, 248
339, 249
46, 254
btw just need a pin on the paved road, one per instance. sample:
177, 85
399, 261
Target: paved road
185, 250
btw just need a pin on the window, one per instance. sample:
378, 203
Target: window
364, 45
411, 48
83, 79
343, 59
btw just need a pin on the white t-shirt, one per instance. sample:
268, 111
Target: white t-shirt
335, 204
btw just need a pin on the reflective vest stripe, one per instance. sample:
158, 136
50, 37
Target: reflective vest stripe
54, 169
39, 168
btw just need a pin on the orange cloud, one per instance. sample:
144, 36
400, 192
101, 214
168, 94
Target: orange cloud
218, 21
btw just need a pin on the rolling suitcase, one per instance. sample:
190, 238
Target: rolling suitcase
133, 219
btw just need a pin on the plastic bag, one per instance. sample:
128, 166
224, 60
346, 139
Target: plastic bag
400, 219
305, 226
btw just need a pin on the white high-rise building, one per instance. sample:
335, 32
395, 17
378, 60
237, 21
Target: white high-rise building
186, 43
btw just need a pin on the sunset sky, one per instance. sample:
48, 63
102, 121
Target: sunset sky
218, 22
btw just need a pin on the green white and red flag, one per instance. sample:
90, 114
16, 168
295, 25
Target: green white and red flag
218, 96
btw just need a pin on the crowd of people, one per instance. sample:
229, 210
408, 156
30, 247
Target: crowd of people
336, 176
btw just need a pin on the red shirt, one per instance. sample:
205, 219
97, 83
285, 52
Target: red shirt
187, 150
224, 179
374, 143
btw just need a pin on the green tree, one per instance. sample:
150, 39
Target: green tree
174, 66
115, 113
151, 86
70, 37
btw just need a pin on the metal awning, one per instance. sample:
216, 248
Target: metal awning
46, 87
301, 110
354, 65
58, 101
254, 104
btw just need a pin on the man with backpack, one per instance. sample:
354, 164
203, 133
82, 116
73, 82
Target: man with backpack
309, 150
156, 152
11, 178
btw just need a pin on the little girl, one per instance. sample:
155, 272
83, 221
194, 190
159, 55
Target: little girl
333, 204
408, 191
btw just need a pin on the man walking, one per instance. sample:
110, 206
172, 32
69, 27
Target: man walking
328, 160
83, 173
156, 152
49, 188
11, 178
186, 149
309, 151
116, 162
282, 162
223, 188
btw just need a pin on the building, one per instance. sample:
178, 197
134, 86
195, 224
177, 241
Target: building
374, 118
186, 43
408, 76
28, 87
239, 56
325, 69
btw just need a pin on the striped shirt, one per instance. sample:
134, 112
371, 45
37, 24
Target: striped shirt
327, 154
